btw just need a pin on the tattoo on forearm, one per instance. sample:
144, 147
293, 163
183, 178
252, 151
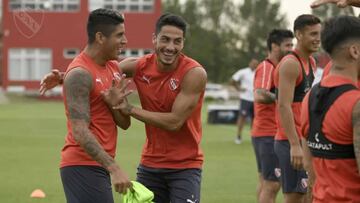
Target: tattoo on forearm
78, 85
77, 88
267, 96
356, 131
89, 143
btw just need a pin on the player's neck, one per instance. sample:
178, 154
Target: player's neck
344, 68
167, 68
303, 53
274, 58
95, 55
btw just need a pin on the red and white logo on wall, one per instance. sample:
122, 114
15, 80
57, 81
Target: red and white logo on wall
28, 22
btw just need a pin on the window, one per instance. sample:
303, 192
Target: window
124, 5
147, 51
71, 53
29, 63
45, 5
121, 8
135, 52
147, 8
134, 7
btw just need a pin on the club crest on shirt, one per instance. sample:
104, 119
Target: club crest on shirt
304, 183
173, 84
117, 76
277, 172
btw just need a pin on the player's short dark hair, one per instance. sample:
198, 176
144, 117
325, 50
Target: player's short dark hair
171, 19
277, 36
104, 21
338, 30
305, 20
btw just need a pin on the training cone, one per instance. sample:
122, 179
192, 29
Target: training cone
37, 194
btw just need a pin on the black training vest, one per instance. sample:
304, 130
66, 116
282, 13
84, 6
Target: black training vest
305, 85
320, 100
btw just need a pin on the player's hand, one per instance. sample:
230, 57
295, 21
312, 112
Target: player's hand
119, 179
50, 81
117, 93
339, 3
296, 157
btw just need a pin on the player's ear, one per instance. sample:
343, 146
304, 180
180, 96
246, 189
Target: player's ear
154, 39
99, 37
354, 50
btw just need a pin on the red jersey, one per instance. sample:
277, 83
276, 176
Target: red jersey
327, 69
157, 92
295, 106
264, 123
101, 124
337, 180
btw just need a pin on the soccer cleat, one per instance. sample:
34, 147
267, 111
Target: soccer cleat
238, 140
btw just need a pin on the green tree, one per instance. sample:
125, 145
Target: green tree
208, 39
223, 36
258, 18
329, 10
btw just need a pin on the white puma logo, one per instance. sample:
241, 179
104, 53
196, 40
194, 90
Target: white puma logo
190, 201
147, 79
98, 80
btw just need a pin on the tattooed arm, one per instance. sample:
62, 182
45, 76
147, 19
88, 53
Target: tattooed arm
264, 96
356, 132
121, 120
78, 84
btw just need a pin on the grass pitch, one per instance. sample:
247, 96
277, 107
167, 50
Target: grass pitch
32, 135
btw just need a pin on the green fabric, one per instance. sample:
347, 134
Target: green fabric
139, 194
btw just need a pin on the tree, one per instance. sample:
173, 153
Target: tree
223, 36
258, 17
329, 10
208, 39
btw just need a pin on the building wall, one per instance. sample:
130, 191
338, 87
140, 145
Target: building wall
61, 30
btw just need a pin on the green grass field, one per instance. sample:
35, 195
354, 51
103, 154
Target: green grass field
32, 134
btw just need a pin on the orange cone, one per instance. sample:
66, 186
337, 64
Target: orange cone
37, 194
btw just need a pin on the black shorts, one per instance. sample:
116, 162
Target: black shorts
246, 109
266, 159
171, 185
86, 184
292, 181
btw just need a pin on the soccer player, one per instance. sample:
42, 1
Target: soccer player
87, 159
293, 78
331, 116
171, 89
279, 43
243, 81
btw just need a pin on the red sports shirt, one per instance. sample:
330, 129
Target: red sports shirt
327, 71
264, 123
337, 180
102, 124
157, 92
